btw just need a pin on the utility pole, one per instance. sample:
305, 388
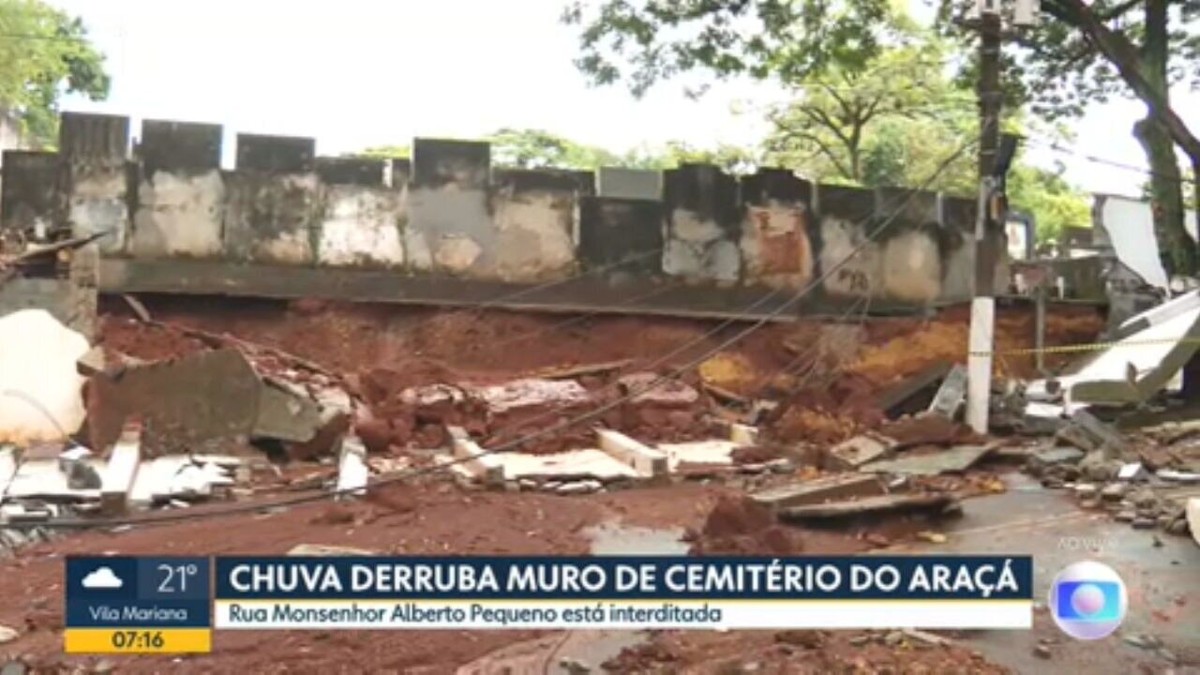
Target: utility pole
994, 162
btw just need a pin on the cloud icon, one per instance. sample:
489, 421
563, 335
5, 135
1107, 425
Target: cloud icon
102, 577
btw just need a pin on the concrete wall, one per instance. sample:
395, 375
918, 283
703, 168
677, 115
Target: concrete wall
448, 213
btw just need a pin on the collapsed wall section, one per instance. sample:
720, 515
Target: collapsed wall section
445, 212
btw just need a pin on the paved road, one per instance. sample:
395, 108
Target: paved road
1163, 581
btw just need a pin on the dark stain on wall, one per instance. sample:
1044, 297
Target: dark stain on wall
179, 147
535, 180
275, 154
781, 185
88, 138
437, 163
350, 171
706, 191
28, 191
616, 231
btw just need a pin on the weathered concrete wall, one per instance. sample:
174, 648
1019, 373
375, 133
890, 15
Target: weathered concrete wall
180, 192
363, 219
703, 225
94, 151
447, 213
777, 234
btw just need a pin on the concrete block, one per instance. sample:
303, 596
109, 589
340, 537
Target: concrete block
821, 490
648, 462
179, 146
951, 395
861, 450
119, 476
743, 434
352, 468
487, 468
616, 231
275, 154
617, 183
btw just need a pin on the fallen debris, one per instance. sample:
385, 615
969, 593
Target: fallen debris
820, 490
860, 450
325, 551
952, 394
1089, 434
572, 372
39, 385
929, 503
953, 460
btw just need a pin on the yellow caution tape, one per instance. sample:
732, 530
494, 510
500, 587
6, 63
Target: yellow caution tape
1087, 347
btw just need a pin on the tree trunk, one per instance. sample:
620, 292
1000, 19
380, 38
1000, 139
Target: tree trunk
1176, 248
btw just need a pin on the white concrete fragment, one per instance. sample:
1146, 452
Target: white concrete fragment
648, 462
1131, 471
714, 452
119, 476
484, 467
1179, 476
589, 462
8, 469
43, 479
40, 389
352, 468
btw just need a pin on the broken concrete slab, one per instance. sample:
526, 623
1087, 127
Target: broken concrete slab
819, 490
899, 396
206, 396
1086, 432
648, 462
646, 388
931, 503
483, 466
953, 460
77, 465
700, 457
1133, 472
588, 463
952, 394
1178, 476
532, 393
1140, 363
861, 450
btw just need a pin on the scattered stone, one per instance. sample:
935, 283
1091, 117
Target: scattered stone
8, 635
1134, 471
1042, 651
859, 640
1145, 499
103, 667
1125, 516
932, 537
1144, 523
1114, 492
1143, 641
893, 638
876, 539
1157, 542
328, 551
1167, 655
861, 450
1055, 456
574, 666
1085, 490
1052, 483
582, 487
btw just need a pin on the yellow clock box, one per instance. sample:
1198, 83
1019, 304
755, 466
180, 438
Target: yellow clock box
132, 605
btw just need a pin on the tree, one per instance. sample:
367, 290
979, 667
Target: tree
537, 149
44, 53
830, 128
733, 159
1105, 45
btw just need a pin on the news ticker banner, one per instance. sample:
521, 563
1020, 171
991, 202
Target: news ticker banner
140, 605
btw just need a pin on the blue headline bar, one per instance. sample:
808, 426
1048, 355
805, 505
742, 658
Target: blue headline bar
610, 577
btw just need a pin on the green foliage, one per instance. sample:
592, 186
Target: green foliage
385, 152
731, 158
1050, 199
43, 54
537, 149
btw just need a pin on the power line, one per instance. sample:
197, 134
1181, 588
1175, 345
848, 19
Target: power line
584, 417
1056, 147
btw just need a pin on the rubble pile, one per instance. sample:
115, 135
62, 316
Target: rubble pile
743, 527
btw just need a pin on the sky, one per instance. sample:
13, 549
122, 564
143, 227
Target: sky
360, 73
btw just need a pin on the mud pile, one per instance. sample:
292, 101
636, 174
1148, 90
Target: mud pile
739, 526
